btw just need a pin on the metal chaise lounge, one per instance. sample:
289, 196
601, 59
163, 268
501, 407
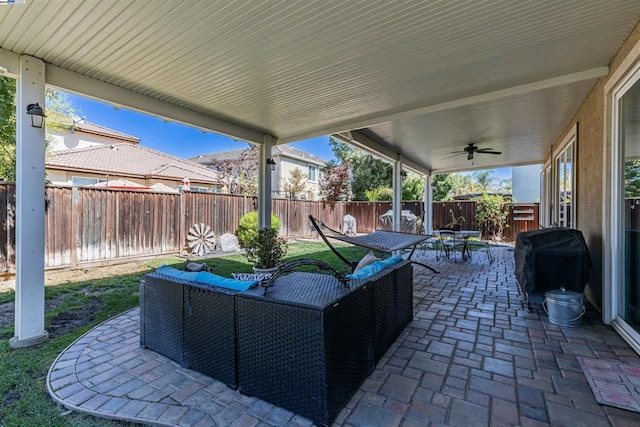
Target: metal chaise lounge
381, 241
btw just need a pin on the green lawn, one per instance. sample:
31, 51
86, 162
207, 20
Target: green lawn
25, 400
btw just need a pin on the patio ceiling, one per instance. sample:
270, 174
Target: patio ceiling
421, 78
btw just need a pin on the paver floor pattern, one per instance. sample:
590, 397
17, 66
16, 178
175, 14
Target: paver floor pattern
472, 356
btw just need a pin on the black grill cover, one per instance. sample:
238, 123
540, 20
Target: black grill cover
552, 258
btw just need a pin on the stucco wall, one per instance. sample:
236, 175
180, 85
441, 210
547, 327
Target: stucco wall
286, 166
525, 183
591, 168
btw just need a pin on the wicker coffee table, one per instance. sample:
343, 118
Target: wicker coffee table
307, 344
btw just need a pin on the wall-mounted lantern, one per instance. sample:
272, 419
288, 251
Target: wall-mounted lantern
37, 115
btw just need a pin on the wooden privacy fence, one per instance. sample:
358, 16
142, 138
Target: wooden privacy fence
84, 225
522, 217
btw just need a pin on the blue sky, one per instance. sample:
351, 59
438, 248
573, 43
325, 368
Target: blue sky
178, 140
184, 141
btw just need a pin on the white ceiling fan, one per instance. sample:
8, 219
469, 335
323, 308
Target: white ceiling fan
472, 149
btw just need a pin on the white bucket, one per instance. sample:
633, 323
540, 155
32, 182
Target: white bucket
565, 308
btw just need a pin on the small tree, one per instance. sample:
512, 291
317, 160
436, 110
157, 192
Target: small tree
266, 249
295, 184
240, 175
334, 185
492, 214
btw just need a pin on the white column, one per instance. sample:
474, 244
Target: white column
30, 147
397, 193
264, 182
428, 205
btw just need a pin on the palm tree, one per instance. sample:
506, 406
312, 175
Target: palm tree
486, 181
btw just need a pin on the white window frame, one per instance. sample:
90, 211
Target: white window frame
546, 184
614, 209
559, 207
315, 173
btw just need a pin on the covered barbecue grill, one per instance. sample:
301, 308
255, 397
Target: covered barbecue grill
551, 258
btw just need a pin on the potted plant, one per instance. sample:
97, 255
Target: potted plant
456, 223
266, 250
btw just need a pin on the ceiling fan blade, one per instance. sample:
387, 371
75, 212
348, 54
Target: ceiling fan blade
457, 153
490, 152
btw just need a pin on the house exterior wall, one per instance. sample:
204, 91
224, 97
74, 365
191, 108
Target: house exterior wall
525, 182
285, 165
64, 178
592, 165
67, 140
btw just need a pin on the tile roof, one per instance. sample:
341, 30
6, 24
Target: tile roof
95, 129
126, 159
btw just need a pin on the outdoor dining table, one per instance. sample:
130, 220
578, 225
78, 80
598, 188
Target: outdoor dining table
463, 235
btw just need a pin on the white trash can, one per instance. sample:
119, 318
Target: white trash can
565, 308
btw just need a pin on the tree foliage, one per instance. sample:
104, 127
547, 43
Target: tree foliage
295, 184
248, 227
447, 186
59, 112
492, 214
334, 185
7, 128
382, 193
413, 188
240, 175
367, 172
632, 179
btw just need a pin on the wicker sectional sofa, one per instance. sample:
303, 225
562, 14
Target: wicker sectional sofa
305, 344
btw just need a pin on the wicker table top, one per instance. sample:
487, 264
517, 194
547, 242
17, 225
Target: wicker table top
309, 289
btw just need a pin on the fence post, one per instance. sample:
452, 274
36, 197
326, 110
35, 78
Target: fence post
76, 232
183, 224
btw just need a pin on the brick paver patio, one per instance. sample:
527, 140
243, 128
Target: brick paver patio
471, 357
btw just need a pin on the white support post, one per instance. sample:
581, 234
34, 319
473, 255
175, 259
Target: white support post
428, 205
264, 182
397, 193
30, 148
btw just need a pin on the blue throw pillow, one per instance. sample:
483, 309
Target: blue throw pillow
175, 273
374, 268
392, 260
224, 282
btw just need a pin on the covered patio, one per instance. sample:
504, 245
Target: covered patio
409, 81
472, 356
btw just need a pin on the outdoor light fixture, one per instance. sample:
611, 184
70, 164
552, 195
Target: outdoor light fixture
37, 115
272, 164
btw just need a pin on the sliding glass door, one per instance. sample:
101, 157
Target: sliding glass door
627, 287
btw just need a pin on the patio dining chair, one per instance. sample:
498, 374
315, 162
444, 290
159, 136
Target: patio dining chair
450, 244
478, 243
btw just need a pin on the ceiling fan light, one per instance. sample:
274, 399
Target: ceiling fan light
470, 155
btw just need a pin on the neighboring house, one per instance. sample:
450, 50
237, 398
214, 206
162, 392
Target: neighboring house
83, 134
92, 155
287, 159
525, 183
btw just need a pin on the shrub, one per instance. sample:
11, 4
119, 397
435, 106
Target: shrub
492, 214
266, 250
248, 227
